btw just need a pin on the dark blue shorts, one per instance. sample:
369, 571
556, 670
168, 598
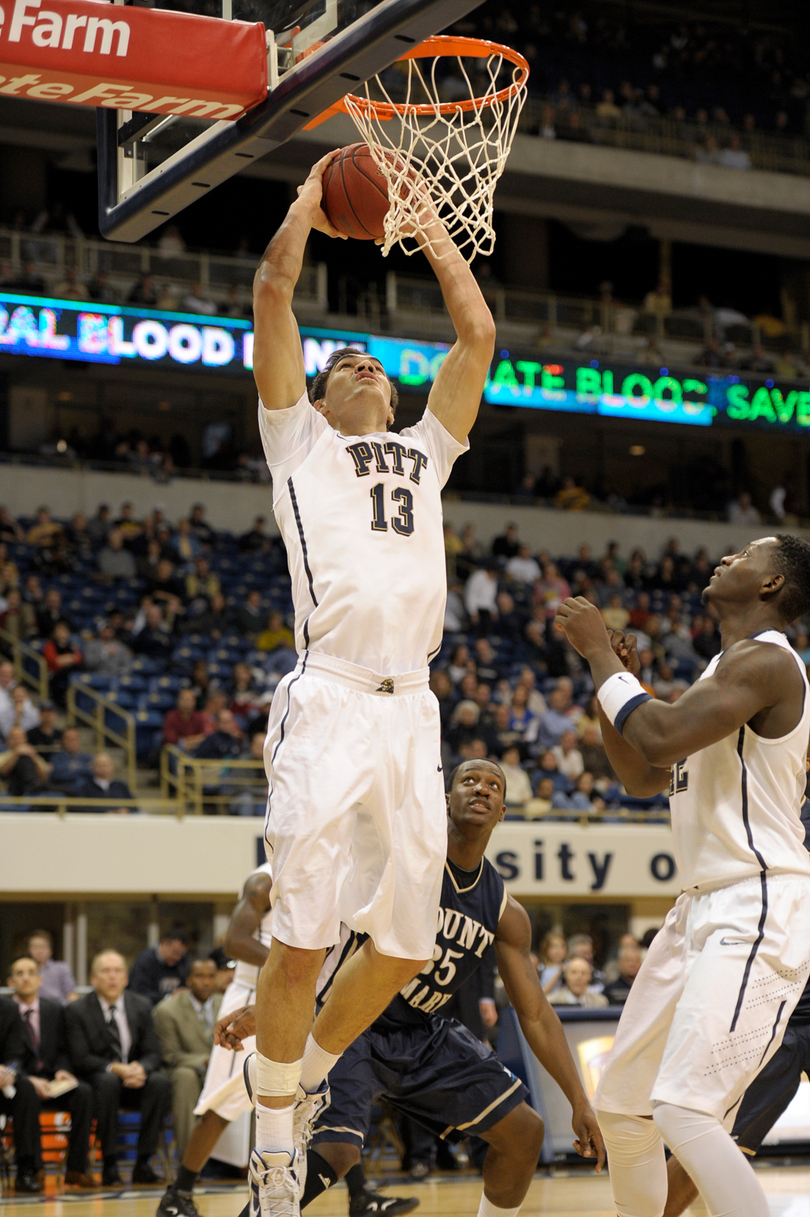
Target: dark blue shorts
438, 1073
772, 1090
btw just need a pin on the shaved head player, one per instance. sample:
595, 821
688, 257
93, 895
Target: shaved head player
709, 1007
355, 815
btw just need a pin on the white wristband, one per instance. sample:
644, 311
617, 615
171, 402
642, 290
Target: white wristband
619, 696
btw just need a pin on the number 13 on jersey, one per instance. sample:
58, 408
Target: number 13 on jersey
401, 513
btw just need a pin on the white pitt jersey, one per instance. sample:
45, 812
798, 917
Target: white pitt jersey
248, 973
361, 517
735, 805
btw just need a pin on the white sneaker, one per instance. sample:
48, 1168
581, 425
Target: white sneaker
274, 1187
307, 1108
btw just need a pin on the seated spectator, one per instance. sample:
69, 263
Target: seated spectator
43, 533
18, 1099
553, 952
553, 725
224, 742
257, 540
250, 792
45, 1059
70, 288
594, 756
50, 612
507, 545
78, 537
62, 657
18, 617
46, 736
659, 301
198, 301
511, 620
143, 292
743, 512
481, 596
541, 805
20, 712
158, 971
552, 589
201, 528
630, 961
104, 788
549, 769
569, 758
249, 616
106, 653
277, 640
571, 497
521, 718
734, 156
56, 979
201, 586
113, 1046
615, 616
10, 531
185, 1031
100, 290
518, 786
70, 766
708, 643
486, 666
154, 637
244, 698
576, 989
186, 726
523, 568
582, 798
214, 620
580, 946
114, 561
164, 587
21, 766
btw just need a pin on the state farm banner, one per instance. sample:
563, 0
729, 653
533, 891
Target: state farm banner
95, 54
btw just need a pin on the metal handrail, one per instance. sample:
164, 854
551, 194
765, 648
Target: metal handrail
21, 651
192, 778
97, 720
62, 804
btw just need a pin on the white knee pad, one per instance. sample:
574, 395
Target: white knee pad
277, 1078
636, 1162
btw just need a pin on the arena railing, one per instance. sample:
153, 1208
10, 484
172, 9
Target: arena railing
769, 151
29, 667
98, 717
62, 805
54, 254
215, 787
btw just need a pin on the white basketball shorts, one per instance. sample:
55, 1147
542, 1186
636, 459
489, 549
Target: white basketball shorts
356, 816
224, 1088
709, 1007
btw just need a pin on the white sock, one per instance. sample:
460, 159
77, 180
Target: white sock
488, 1209
638, 1170
316, 1064
274, 1128
705, 1150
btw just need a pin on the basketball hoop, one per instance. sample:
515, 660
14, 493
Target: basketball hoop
458, 148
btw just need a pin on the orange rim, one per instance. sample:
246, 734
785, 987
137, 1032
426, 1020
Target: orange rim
446, 45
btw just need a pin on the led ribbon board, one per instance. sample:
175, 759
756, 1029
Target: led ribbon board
94, 333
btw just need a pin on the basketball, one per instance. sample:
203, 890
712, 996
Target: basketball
355, 194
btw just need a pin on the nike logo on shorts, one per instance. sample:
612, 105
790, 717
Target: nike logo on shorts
733, 942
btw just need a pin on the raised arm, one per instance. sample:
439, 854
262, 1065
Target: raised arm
456, 392
278, 361
541, 1026
752, 680
246, 918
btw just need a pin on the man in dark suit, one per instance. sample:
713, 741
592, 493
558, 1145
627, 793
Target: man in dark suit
113, 1045
21, 1104
45, 1059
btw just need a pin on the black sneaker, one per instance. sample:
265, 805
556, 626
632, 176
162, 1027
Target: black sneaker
175, 1204
368, 1201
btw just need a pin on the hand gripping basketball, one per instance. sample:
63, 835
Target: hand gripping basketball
311, 193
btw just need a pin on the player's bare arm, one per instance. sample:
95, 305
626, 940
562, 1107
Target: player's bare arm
456, 392
278, 360
638, 777
754, 683
246, 918
541, 1026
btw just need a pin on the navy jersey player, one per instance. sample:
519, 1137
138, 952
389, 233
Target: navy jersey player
355, 813
709, 1007
433, 1068
769, 1095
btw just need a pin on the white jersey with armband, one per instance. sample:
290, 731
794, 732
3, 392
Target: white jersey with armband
361, 518
735, 805
248, 973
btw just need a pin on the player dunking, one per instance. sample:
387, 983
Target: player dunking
710, 1004
355, 820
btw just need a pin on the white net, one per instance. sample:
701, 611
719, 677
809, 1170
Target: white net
457, 148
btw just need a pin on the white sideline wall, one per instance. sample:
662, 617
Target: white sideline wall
233, 505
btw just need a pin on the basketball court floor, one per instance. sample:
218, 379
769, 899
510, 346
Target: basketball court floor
559, 1194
